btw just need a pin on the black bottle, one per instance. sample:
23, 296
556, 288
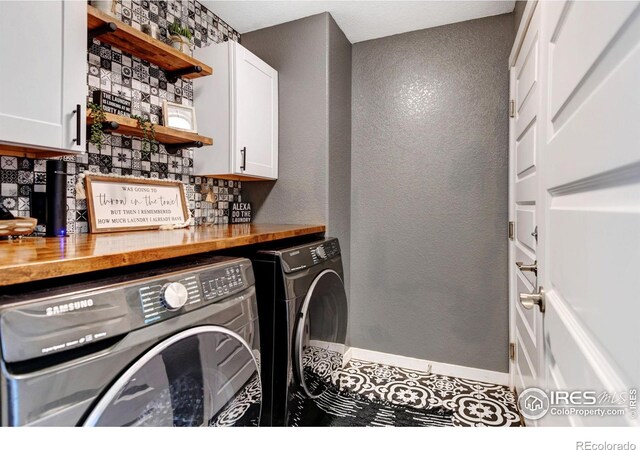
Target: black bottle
56, 198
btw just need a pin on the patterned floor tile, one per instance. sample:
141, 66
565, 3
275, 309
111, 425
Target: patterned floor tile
474, 403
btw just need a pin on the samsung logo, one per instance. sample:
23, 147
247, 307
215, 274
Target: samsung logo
69, 307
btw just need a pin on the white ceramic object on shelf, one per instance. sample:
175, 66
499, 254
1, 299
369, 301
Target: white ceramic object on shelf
182, 43
106, 6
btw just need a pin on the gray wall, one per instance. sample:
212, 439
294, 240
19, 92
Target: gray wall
313, 60
430, 193
518, 11
298, 51
340, 142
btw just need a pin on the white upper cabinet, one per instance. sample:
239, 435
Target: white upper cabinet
43, 74
238, 106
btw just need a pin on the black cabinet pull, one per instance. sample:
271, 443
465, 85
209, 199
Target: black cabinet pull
78, 113
244, 158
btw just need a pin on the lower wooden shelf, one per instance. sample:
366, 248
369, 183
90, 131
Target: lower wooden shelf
164, 135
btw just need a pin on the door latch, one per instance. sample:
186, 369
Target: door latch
528, 301
534, 233
528, 267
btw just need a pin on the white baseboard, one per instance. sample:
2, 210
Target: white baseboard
406, 362
346, 357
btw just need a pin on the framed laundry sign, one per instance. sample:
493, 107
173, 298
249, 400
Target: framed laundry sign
120, 204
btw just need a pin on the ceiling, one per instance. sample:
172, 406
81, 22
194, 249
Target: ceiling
359, 20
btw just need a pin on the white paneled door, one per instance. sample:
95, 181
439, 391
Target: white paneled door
586, 160
591, 188
526, 324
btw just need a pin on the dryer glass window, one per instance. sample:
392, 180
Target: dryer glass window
321, 333
205, 376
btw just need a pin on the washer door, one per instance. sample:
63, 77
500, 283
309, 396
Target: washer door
203, 376
320, 333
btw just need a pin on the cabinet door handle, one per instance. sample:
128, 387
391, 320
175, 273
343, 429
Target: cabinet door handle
78, 113
244, 158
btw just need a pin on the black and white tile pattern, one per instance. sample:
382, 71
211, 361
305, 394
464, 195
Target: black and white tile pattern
342, 408
145, 85
473, 403
243, 409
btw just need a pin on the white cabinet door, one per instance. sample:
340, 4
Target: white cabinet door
255, 147
43, 74
238, 107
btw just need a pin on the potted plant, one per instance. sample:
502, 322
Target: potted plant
98, 115
181, 38
148, 134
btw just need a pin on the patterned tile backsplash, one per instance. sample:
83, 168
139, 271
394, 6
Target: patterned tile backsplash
145, 85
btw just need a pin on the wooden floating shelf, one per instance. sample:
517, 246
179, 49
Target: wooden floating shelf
164, 135
139, 44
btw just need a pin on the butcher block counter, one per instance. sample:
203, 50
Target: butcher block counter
36, 258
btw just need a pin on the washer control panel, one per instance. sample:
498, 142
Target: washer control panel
159, 299
60, 318
164, 297
219, 283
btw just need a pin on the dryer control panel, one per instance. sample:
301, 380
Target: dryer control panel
300, 258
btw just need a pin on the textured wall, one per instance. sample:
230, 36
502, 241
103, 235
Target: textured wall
313, 60
430, 193
340, 141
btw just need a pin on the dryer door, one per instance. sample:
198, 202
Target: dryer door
321, 333
203, 376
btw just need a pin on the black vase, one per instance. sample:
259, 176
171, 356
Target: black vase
56, 198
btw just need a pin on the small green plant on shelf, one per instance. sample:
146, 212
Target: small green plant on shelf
180, 37
179, 30
149, 143
98, 115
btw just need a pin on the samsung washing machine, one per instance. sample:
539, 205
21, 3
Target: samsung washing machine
172, 344
303, 313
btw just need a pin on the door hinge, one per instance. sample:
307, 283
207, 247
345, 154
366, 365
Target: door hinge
512, 108
512, 230
512, 351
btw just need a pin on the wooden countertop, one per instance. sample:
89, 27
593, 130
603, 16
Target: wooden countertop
32, 259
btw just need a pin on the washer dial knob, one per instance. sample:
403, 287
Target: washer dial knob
321, 252
174, 295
